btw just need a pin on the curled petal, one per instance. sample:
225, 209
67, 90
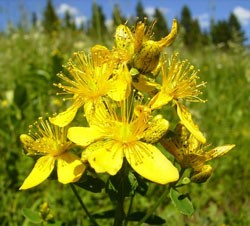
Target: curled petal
69, 168
166, 41
149, 162
186, 119
40, 172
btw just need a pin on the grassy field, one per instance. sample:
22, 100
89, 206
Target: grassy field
28, 66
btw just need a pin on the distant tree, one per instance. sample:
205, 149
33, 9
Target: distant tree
34, 19
235, 29
192, 32
50, 20
220, 32
160, 28
69, 21
97, 27
140, 13
117, 16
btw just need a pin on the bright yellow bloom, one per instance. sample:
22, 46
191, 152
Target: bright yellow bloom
121, 130
140, 50
93, 77
190, 153
179, 82
50, 142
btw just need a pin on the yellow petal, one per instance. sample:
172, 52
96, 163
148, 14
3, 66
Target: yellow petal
27, 142
84, 135
105, 156
149, 162
124, 38
145, 85
120, 87
40, 172
69, 168
64, 118
166, 41
219, 151
186, 119
159, 100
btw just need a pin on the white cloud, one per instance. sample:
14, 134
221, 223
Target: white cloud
242, 14
63, 8
79, 20
204, 20
150, 10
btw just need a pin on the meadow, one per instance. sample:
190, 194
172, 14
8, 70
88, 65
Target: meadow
29, 62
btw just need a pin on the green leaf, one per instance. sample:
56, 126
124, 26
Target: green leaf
91, 184
104, 214
152, 220
57, 223
32, 216
181, 202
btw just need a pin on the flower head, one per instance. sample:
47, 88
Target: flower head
50, 143
121, 130
179, 82
190, 153
93, 78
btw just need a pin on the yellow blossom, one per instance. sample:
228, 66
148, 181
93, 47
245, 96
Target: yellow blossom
93, 78
50, 143
190, 153
179, 82
119, 132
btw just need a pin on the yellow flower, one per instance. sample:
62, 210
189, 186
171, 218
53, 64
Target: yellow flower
179, 82
93, 77
190, 153
50, 142
139, 48
118, 132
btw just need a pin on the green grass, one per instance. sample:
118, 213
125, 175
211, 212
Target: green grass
28, 67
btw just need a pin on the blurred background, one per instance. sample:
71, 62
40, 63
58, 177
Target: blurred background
38, 37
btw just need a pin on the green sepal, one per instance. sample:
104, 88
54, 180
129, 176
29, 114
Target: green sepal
181, 202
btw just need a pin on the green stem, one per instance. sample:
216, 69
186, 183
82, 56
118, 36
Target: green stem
154, 207
129, 209
119, 212
162, 198
82, 205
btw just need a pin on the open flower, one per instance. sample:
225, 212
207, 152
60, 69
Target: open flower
190, 153
50, 143
179, 82
93, 78
118, 132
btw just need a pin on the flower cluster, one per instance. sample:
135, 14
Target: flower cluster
123, 94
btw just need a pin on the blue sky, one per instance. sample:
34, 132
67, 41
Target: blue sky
203, 10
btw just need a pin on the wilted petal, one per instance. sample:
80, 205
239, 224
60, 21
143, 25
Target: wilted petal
69, 168
39, 173
106, 156
149, 162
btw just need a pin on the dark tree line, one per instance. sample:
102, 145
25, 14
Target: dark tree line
219, 32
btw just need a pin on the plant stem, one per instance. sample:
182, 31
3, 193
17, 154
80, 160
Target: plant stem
82, 205
163, 197
129, 209
154, 207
